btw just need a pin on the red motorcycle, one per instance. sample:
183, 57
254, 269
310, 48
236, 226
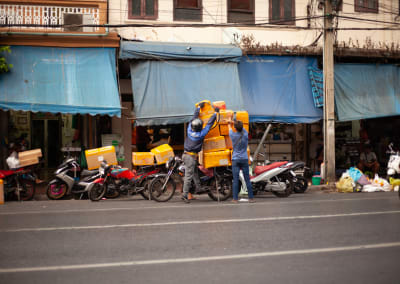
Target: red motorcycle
19, 184
124, 181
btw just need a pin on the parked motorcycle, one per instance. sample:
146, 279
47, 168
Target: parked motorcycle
125, 181
18, 183
216, 182
97, 187
276, 178
393, 167
70, 179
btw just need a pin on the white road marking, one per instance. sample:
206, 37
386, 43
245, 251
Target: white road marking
199, 259
192, 222
45, 211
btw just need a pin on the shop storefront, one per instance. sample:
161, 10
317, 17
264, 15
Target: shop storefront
55, 98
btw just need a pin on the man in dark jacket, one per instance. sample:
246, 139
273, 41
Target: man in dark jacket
192, 147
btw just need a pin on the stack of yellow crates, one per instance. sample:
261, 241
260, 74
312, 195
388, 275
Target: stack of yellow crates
161, 154
217, 146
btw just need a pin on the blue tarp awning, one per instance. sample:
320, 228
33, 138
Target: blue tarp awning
278, 89
165, 92
366, 91
151, 50
169, 78
61, 80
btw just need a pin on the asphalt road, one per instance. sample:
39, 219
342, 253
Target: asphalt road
306, 238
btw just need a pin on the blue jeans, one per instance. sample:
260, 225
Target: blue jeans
243, 165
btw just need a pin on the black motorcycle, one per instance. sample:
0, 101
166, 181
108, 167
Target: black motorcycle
70, 179
216, 182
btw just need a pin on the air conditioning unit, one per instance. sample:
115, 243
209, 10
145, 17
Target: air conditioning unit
77, 19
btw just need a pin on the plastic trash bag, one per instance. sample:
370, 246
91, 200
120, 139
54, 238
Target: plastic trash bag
12, 161
363, 180
354, 173
345, 184
382, 183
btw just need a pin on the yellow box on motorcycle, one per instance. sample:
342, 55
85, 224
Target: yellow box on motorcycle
217, 159
163, 153
28, 158
214, 144
142, 158
94, 157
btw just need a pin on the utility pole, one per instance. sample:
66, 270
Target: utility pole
329, 97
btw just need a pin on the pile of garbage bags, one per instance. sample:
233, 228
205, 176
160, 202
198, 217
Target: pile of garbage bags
353, 180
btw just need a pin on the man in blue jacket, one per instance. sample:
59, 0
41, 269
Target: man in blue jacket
192, 147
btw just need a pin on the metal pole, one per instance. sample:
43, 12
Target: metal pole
260, 144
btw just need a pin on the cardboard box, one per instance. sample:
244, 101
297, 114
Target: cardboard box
217, 159
142, 158
31, 154
94, 157
163, 153
28, 162
214, 144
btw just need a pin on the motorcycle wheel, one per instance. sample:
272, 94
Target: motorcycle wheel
145, 192
28, 190
224, 190
112, 192
300, 186
289, 187
159, 194
56, 190
97, 191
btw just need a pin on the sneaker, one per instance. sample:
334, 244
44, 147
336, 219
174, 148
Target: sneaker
185, 199
191, 197
235, 201
251, 200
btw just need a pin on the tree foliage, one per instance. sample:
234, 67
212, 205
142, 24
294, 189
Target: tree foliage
4, 66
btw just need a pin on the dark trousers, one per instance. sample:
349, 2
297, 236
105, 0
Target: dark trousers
243, 165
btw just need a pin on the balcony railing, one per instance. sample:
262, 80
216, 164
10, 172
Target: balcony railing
67, 18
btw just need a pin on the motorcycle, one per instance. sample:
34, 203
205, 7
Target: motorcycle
393, 168
125, 181
18, 183
276, 178
217, 183
70, 179
97, 187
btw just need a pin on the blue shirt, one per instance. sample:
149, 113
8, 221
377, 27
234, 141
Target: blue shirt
239, 148
194, 140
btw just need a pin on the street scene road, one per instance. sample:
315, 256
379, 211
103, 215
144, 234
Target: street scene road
306, 238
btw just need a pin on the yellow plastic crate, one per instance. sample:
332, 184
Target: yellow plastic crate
94, 157
207, 108
142, 158
214, 144
243, 116
217, 159
163, 153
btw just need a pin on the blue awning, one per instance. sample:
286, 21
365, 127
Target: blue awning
278, 89
177, 51
366, 91
165, 92
61, 80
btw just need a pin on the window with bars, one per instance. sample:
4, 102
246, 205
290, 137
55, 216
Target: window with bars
188, 10
241, 11
366, 6
282, 12
143, 9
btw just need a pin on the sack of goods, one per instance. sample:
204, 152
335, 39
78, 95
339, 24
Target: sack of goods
158, 155
217, 146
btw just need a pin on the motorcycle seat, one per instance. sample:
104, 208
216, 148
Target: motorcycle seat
88, 173
261, 169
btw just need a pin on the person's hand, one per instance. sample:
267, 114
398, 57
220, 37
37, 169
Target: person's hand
201, 105
216, 109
